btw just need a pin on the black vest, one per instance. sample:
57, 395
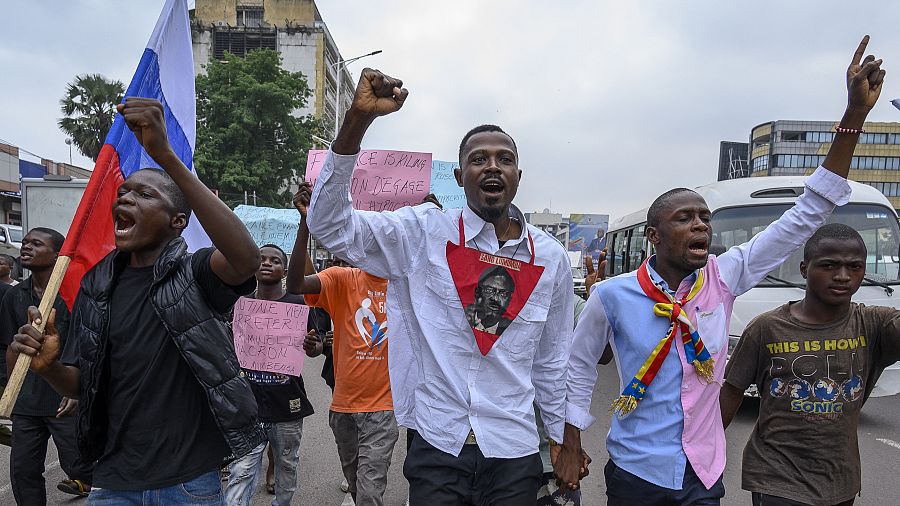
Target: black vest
200, 333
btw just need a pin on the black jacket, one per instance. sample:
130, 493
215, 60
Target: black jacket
200, 333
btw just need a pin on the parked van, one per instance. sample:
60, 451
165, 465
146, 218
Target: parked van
742, 208
10, 239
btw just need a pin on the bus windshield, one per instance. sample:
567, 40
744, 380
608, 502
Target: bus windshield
876, 224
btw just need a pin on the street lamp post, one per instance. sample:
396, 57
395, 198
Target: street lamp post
337, 94
69, 142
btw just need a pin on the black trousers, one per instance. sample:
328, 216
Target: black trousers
440, 479
29, 450
626, 489
771, 500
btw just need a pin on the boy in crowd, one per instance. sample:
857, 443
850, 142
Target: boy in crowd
40, 412
815, 362
361, 415
150, 356
282, 403
668, 327
7, 266
467, 389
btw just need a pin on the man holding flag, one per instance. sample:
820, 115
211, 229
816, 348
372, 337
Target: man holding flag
149, 356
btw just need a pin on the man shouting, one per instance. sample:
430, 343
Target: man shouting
480, 305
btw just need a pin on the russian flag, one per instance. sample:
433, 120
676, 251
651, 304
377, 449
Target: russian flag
166, 73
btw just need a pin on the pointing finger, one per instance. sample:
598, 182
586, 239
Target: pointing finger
860, 51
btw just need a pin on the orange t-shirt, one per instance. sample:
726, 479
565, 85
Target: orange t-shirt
355, 301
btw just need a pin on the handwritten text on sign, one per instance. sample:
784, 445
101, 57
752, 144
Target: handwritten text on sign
268, 335
270, 226
382, 180
444, 185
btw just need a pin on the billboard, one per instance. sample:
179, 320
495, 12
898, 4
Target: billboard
587, 233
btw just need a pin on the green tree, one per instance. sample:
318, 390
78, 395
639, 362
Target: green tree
89, 107
248, 138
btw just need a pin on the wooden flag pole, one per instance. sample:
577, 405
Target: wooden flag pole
14, 385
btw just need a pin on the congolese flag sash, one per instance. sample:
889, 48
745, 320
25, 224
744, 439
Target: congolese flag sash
695, 352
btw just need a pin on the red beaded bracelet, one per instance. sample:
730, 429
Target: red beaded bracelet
841, 130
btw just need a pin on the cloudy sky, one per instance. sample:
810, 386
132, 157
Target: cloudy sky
610, 103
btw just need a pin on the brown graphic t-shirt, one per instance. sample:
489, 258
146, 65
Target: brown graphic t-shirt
813, 381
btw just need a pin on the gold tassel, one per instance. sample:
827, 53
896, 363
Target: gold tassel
623, 405
705, 369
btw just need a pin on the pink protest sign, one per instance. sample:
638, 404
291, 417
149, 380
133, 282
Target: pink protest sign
268, 335
382, 180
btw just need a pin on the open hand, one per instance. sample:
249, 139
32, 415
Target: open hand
864, 78
378, 94
302, 198
43, 348
145, 117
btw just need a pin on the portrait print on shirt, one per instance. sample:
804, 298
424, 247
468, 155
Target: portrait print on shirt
493, 294
492, 289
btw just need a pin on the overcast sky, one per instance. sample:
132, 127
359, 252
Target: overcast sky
610, 103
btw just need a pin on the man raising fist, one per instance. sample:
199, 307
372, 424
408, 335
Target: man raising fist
466, 388
150, 357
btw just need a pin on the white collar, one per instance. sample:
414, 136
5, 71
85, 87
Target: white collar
475, 225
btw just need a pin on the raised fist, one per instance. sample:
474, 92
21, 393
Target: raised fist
377, 94
145, 117
302, 197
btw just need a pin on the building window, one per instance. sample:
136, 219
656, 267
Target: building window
798, 161
792, 136
250, 17
760, 163
819, 137
873, 138
887, 189
239, 42
14, 218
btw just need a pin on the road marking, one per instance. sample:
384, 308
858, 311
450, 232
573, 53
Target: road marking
889, 442
6, 488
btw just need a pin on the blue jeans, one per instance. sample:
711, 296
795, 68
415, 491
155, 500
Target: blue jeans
205, 490
244, 472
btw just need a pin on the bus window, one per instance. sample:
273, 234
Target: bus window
617, 265
636, 251
876, 224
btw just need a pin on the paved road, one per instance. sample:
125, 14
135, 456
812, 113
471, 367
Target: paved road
879, 437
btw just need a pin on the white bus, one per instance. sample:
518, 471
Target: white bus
742, 208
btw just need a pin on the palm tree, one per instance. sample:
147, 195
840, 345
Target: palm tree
89, 107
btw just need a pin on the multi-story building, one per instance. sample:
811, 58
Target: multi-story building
733, 160
552, 223
13, 167
294, 28
788, 147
